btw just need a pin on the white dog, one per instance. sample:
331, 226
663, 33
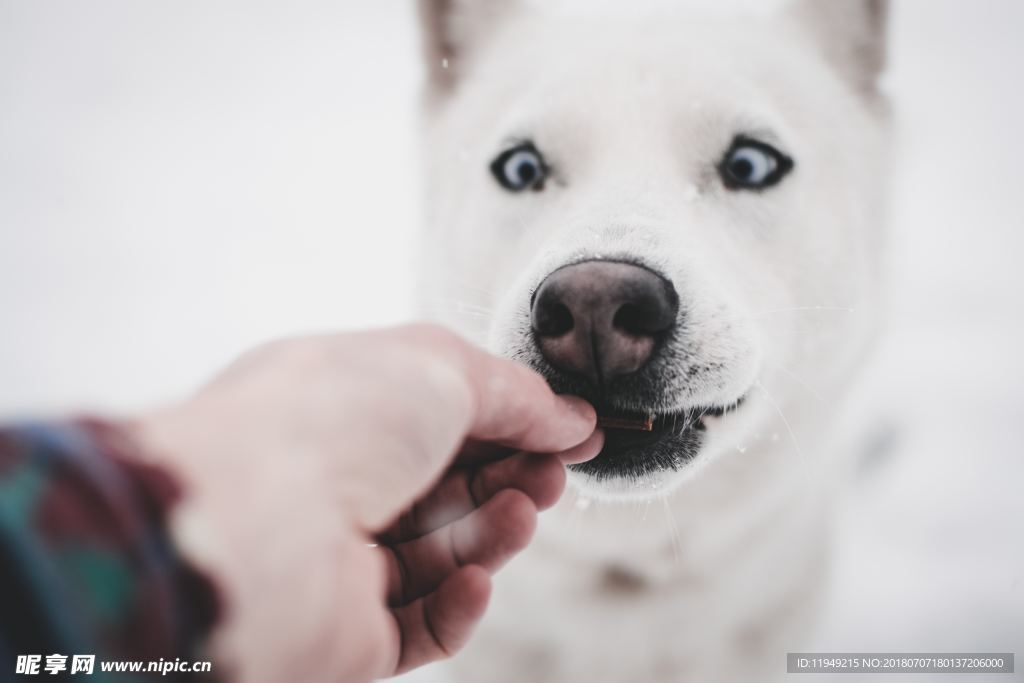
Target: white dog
677, 216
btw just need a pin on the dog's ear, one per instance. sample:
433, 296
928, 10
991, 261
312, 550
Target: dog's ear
452, 29
851, 35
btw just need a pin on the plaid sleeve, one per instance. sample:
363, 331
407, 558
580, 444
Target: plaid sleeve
86, 561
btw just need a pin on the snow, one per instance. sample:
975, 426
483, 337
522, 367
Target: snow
932, 552
179, 181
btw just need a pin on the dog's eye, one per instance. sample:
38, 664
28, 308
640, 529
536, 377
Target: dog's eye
753, 165
520, 168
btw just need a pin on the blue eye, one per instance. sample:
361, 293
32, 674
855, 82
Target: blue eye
753, 165
520, 168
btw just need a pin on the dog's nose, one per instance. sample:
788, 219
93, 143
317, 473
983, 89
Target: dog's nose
602, 319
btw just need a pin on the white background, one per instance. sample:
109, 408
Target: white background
181, 180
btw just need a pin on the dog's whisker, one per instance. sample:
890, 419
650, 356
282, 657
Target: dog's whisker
576, 517
811, 326
458, 282
468, 314
673, 529
478, 318
473, 311
790, 309
785, 421
459, 303
797, 379
464, 291
804, 309
460, 308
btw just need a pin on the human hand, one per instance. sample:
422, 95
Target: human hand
305, 452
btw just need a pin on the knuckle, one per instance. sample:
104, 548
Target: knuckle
446, 385
433, 356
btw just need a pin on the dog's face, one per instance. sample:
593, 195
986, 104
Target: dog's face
672, 216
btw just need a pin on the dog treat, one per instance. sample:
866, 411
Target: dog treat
640, 423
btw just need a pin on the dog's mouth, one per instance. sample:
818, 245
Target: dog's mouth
637, 444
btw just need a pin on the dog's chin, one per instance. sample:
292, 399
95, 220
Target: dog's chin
637, 463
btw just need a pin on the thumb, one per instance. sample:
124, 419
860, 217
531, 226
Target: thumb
454, 392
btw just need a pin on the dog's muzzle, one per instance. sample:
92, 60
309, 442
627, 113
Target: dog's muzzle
601, 328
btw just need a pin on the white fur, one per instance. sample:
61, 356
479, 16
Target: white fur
708, 573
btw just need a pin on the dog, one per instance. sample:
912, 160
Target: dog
680, 217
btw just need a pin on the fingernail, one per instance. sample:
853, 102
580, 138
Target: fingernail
580, 407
